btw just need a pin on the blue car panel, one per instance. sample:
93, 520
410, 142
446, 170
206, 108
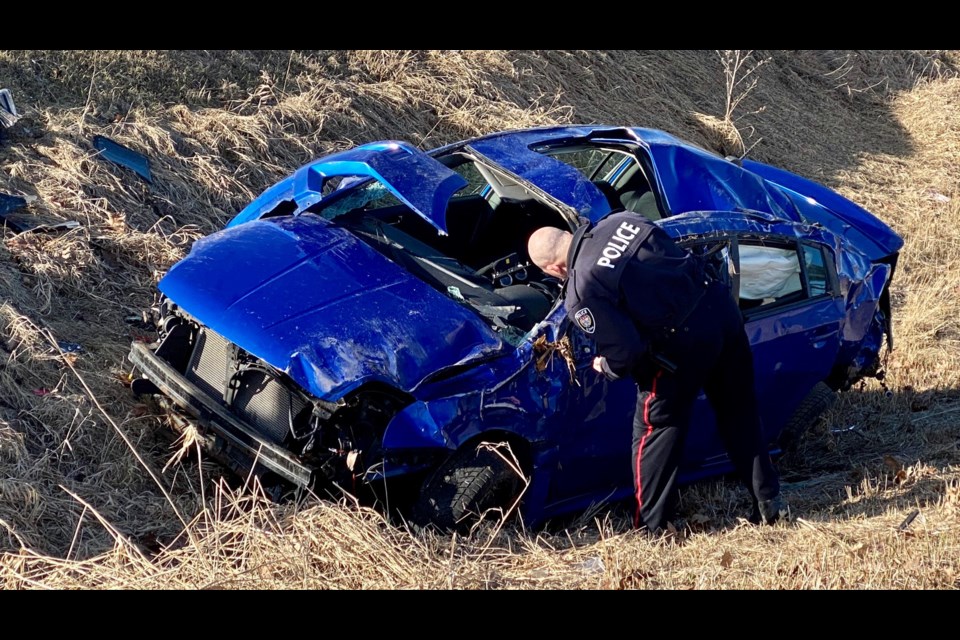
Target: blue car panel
561, 181
693, 179
828, 208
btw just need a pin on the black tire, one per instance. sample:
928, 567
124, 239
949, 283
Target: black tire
817, 402
465, 488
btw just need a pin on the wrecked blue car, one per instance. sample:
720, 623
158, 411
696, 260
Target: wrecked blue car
372, 324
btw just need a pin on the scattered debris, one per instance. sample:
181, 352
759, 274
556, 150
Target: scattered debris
24, 222
908, 520
70, 347
937, 196
851, 427
10, 203
42, 391
592, 566
8, 112
124, 156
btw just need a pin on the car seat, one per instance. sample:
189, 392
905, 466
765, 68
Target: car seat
532, 305
466, 218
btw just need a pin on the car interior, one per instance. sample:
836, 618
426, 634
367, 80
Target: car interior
617, 173
482, 262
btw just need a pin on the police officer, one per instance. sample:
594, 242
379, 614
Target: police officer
657, 317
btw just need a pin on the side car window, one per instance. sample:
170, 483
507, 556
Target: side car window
818, 276
773, 274
767, 274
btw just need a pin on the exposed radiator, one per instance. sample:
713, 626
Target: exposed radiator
265, 403
260, 400
208, 364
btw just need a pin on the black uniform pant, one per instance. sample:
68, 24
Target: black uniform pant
711, 352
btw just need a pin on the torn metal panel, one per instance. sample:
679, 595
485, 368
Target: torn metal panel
10, 203
24, 223
415, 178
124, 156
21, 222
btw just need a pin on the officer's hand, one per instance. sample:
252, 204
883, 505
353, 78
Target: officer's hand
598, 364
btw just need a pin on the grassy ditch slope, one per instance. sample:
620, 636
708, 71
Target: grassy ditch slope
91, 497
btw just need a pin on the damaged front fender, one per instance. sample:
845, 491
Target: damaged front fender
862, 301
420, 425
521, 403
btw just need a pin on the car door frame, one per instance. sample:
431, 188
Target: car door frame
795, 343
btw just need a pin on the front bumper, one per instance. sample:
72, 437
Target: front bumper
231, 434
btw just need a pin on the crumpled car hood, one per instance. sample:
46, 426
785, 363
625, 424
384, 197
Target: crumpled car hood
314, 301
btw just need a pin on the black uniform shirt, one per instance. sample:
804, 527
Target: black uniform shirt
629, 285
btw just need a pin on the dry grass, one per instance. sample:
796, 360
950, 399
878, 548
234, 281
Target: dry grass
85, 499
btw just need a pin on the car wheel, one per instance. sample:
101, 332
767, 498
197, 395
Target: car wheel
473, 484
820, 398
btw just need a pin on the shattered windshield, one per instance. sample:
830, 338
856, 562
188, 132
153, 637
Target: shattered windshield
373, 195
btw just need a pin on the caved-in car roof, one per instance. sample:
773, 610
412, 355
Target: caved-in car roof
688, 178
419, 181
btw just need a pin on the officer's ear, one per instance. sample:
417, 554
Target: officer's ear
556, 270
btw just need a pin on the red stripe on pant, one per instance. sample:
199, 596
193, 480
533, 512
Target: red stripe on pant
646, 420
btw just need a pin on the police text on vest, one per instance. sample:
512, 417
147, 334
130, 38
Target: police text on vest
617, 244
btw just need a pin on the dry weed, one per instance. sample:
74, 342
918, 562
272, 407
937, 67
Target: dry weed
89, 495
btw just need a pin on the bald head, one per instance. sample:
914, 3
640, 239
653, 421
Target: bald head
548, 247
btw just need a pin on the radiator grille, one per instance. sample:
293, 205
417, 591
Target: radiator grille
208, 364
266, 404
260, 399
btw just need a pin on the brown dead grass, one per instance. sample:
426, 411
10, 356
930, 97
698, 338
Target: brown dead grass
85, 500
